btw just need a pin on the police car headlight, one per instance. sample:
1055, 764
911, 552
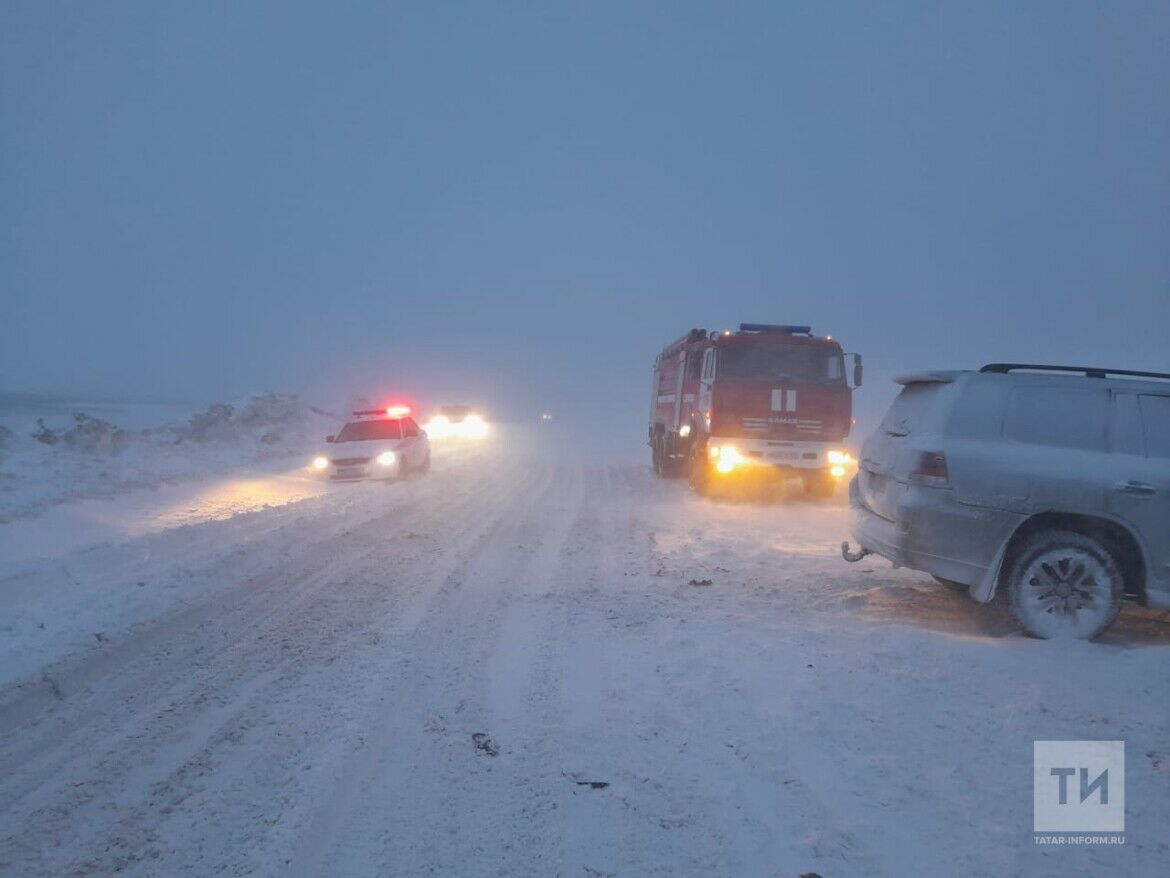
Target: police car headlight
320, 462
387, 458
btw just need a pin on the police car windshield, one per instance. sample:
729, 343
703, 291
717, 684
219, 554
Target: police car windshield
362, 431
770, 362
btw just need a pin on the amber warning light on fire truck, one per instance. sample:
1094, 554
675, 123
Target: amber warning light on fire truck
767, 402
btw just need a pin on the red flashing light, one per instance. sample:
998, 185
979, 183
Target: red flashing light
397, 411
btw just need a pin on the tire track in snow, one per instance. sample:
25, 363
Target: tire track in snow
223, 673
253, 606
386, 808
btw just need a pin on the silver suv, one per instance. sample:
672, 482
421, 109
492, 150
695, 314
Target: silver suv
1050, 481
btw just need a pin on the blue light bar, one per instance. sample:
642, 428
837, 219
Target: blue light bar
775, 327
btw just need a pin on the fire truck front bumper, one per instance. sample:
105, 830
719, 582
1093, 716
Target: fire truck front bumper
779, 457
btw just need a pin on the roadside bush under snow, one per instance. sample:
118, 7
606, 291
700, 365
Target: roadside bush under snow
87, 434
81, 455
259, 417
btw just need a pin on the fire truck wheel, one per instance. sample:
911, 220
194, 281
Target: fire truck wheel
698, 474
671, 466
656, 455
819, 486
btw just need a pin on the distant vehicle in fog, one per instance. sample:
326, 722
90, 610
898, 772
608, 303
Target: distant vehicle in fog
377, 444
766, 402
1051, 482
457, 421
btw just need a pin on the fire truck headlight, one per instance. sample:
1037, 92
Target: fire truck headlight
838, 458
387, 458
438, 427
727, 457
684, 431
837, 471
320, 462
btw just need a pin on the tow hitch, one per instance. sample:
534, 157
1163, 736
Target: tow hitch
851, 556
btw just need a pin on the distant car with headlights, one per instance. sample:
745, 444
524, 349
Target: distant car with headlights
384, 444
1051, 483
457, 422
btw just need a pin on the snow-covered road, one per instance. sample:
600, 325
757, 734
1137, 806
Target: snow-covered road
506, 668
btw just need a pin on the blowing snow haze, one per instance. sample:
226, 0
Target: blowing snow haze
520, 206
370, 503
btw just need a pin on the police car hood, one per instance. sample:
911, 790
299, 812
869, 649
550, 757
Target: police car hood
363, 448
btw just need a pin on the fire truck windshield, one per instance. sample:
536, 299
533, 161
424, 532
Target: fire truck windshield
770, 362
361, 431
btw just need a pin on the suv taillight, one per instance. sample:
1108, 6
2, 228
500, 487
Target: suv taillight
931, 469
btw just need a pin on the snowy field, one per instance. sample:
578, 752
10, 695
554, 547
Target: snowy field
516, 666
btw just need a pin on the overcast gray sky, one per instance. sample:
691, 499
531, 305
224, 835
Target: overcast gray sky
523, 202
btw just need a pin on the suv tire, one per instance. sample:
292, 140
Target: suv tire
1063, 584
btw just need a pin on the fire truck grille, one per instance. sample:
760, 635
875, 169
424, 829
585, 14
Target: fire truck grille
764, 425
350, 461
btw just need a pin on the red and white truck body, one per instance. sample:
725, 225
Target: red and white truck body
766, 400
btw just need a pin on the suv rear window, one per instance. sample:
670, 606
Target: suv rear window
1156, 424
915, 410
1061, 417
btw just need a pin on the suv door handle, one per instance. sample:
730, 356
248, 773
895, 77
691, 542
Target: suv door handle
1139, 488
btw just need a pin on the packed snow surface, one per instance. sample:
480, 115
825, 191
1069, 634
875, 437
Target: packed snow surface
533, 661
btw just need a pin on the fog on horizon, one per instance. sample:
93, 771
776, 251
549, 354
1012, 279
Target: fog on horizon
521, 206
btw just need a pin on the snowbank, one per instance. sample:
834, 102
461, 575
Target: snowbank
56, 452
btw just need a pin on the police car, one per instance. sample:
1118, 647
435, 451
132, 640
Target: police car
384, 444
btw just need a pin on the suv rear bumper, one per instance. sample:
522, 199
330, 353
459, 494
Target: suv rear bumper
935, 534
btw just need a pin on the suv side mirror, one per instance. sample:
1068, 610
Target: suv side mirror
330, 438
858, 370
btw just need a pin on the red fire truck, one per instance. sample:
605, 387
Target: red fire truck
767, 401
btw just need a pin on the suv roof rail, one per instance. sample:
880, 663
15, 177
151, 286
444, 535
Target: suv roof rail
1088, 371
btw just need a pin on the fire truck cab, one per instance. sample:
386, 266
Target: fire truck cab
768, 401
